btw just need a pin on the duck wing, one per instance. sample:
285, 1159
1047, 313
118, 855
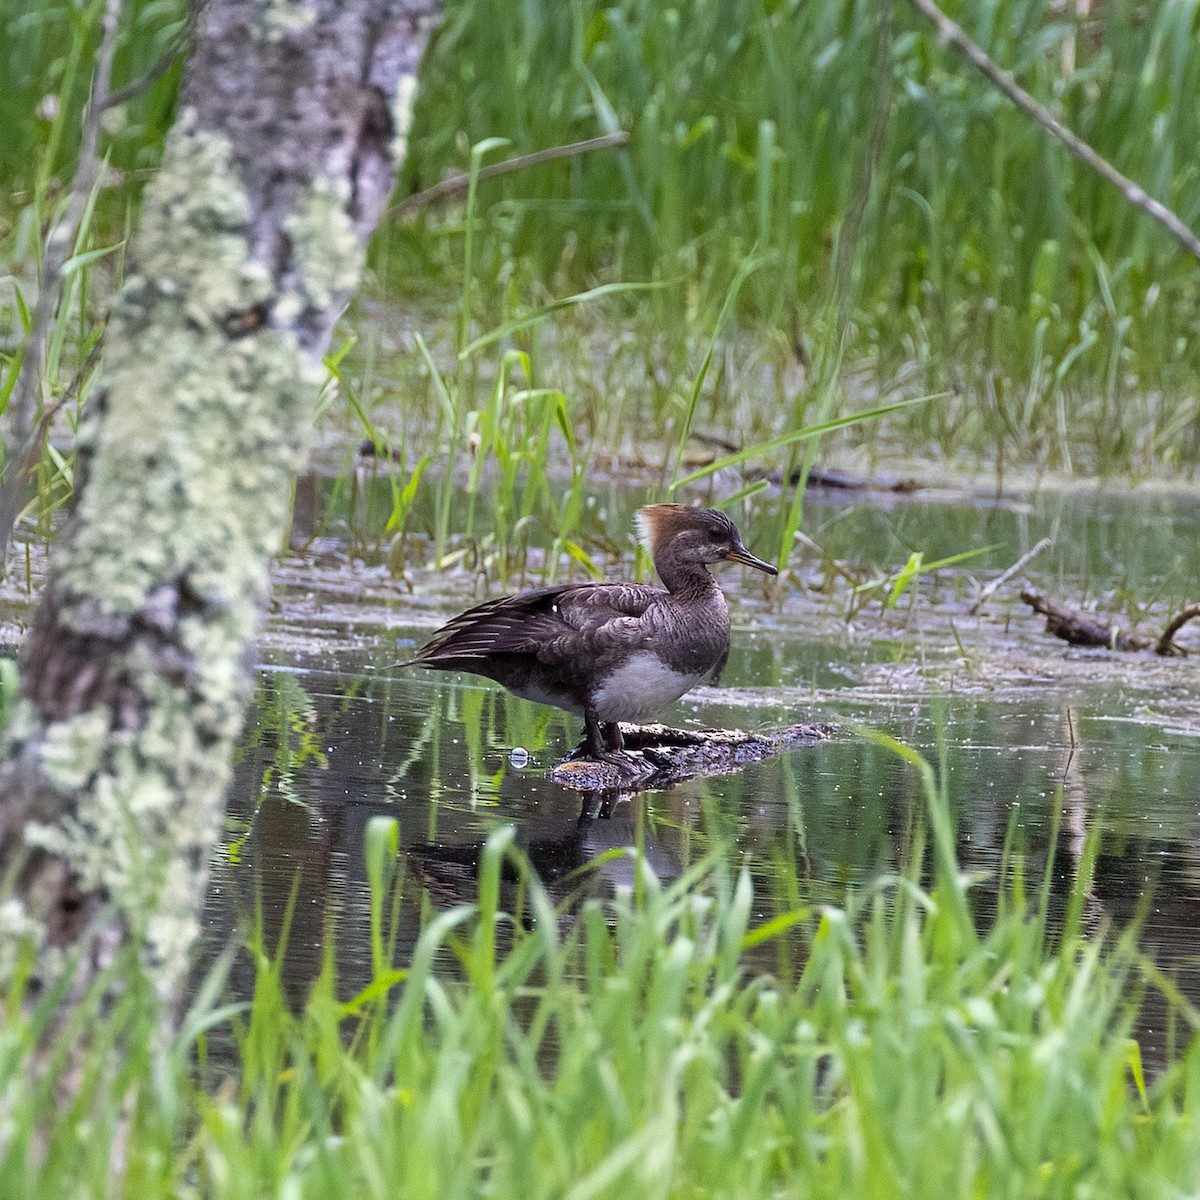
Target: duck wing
553, 624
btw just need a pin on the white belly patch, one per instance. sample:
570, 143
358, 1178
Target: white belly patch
640, 687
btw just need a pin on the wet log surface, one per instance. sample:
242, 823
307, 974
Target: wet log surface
658, 756
1079, 628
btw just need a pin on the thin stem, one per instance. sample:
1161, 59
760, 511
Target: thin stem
25, 431
460, 183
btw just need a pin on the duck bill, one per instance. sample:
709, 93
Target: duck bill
739, 554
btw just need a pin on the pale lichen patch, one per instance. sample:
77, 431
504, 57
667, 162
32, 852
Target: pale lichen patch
327, 254
402, 114
203, 433
133, 840
287, 17
71, 750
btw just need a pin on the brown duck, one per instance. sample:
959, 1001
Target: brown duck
609, 652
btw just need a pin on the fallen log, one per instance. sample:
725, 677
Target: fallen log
1080, 629
658, 756
845, 481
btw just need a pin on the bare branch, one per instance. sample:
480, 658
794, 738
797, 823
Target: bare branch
1166, 644
459, 183
177, 46
990, 590
952, 35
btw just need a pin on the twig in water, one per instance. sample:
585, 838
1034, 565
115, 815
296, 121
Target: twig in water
460, 183
990, 590
1166, 644
951, 34
1070, 746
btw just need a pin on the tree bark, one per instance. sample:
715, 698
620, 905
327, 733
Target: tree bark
137, 669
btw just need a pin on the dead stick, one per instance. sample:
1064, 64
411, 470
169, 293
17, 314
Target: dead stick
1166, 644
460, 183
953, 35
1071, 754
1000, 580
177, 45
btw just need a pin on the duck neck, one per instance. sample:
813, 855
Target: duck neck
685, 579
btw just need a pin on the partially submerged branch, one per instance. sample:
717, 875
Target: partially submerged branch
1077, 627
1166, 644
1081, 629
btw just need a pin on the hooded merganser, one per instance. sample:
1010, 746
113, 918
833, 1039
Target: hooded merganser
609, 652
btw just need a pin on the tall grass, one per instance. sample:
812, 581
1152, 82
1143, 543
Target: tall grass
984, 250
667, 1041
833, 216
48, 54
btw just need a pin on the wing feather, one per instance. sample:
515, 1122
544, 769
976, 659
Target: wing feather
551, 623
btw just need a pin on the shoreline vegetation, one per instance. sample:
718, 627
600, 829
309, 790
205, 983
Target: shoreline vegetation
818, 212
665, 1041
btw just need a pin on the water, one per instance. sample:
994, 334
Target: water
1041, 746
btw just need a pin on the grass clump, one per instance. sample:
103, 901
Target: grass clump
665, 1042
49, 60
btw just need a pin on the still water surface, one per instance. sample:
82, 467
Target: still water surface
1044, 748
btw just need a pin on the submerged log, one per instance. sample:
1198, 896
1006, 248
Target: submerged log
658, 756
832, 479
1078, 628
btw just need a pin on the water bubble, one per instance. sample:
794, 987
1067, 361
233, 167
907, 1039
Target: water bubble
519, 757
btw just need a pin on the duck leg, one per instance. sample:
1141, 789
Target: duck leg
603, 741
594, 735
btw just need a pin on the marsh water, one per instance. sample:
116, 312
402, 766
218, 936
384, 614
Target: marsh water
1040, 744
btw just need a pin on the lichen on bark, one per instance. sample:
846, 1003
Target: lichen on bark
192, 453
138, 667
168, 551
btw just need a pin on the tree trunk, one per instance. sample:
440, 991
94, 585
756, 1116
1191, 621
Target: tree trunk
137, 670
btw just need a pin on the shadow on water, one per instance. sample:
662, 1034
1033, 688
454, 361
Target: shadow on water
1039, 767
